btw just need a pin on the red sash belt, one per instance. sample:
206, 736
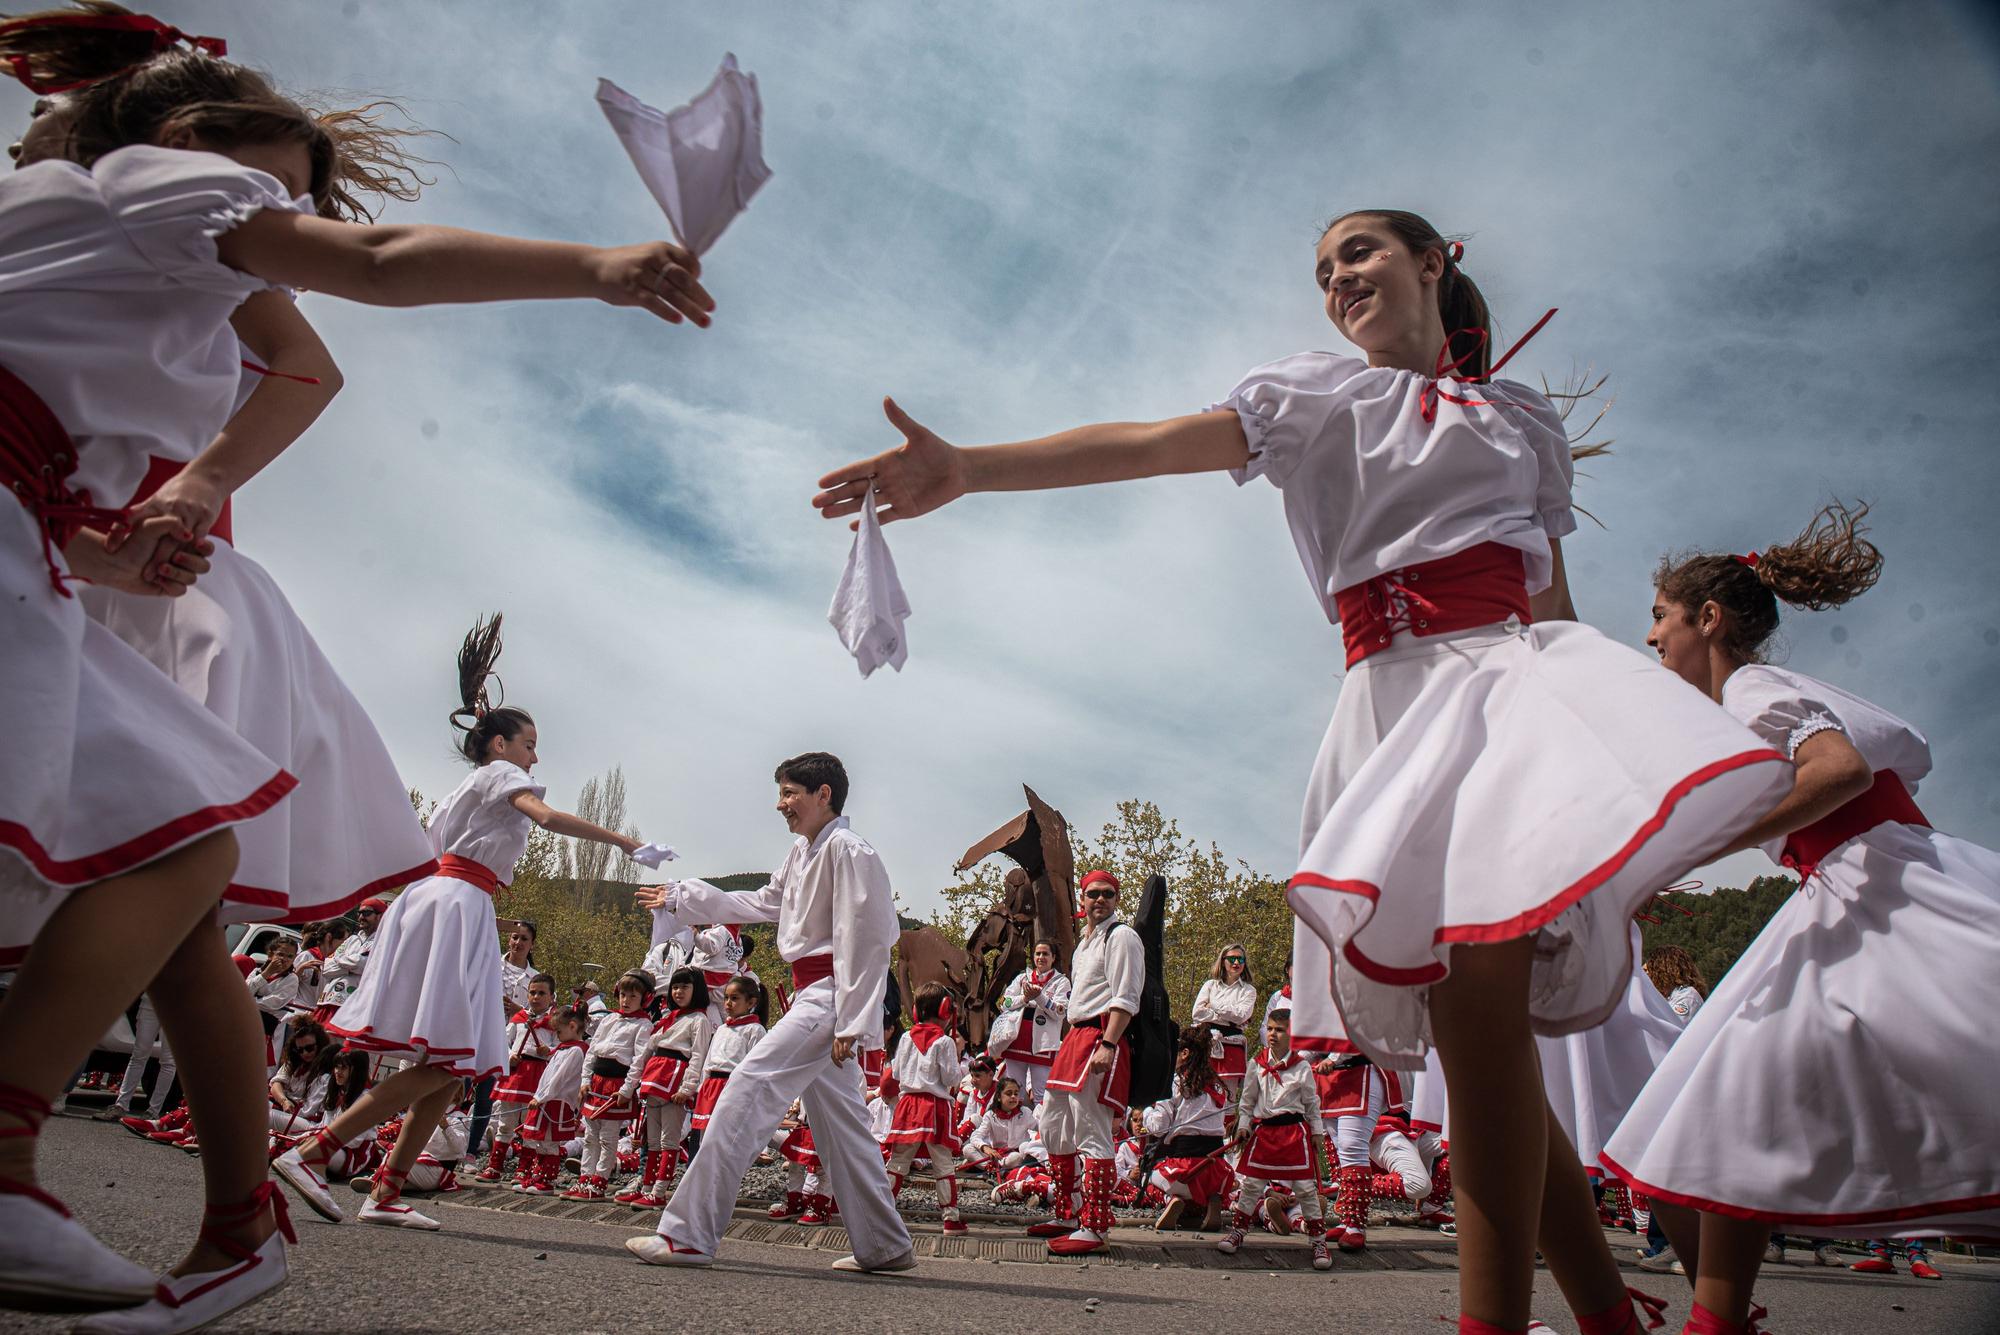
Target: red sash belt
465, 869
1476, 587
810, 970
158, 473
37, 458
1885, 801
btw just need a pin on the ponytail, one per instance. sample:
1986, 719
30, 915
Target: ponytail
1827, 565
59, 50
481, 721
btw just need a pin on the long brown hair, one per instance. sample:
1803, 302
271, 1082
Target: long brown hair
1829, 563
125, 85
481, 719
1196, 1074
1672, 967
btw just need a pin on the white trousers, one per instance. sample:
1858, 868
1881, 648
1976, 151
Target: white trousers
145, 1029
507, 1121
1077, 1123
1351, 1133
944, 1167
801, 1180
1394, 1152
793, 1061
1034, 1079
1251, 1195
600, 1147
666, 1124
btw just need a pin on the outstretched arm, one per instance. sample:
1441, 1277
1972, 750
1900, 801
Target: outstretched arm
561, 822
926, 472
414, 265
1831, 773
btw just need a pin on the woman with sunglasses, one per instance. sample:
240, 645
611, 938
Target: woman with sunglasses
1225, 1004
341, 973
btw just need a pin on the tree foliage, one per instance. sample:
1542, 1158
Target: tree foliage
1212, 899
1717, 927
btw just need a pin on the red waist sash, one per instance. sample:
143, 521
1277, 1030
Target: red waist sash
159, 472
1885, 801
1476, 587
37, 459
810, 970
465, 869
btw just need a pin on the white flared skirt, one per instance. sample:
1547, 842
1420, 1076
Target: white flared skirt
234, 643
1595, 1075
1839, 1082
106, 764
431, 991
1498, 783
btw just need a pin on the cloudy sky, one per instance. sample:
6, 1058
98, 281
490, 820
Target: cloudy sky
1771, 225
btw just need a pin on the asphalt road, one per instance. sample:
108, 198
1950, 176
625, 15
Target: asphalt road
495, 1271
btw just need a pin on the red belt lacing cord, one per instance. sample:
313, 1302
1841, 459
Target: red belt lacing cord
36, 460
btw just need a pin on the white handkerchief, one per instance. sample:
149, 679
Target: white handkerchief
869, 607
652, 855
702, 161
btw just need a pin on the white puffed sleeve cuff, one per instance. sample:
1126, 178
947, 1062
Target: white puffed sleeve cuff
1542, 427
173, 204
504, 779
1772, 707
1284, 406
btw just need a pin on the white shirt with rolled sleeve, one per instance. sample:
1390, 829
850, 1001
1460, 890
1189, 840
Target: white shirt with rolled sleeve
831, 897
1106, 972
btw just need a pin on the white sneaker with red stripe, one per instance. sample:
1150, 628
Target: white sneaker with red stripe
189, 1302
657, 1249
46, 1256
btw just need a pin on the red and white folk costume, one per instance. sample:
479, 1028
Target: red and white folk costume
999, 1140
1280, 1108
731, 1043
1035, 1036
1189, 1126
610, 1101
552, 1119
114, 343
803, 1199
1851, 1047
714, 948
432, 985
676, 1055
273, 998
235, 645
1466, 739
1084, 1109
921, 1078
530, 1040
341, 973
836, 922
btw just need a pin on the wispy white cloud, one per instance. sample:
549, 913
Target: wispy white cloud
1768, 224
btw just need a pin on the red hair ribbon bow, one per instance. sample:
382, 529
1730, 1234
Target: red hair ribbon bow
1750, 560
165, 37
1448, 370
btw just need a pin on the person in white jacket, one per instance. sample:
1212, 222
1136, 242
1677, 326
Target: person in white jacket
1029, 1028
836, 922
274, 986
617, 1058
1279, 1124
1225, 1003
341, 973
1092, 1074
922, 1076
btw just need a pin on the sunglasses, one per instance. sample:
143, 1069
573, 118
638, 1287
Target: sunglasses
1100, 894
1232, 959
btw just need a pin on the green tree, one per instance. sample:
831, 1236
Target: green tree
1716, 927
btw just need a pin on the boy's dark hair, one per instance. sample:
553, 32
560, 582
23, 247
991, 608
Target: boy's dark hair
929, 1002
548, 978
814, 770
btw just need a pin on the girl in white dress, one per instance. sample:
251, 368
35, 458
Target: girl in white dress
432, 990
1226, 1002
1500, 787
191, 186
1038, 1000
1844, 1119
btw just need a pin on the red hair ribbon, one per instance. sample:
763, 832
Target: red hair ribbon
1455, 250
1448, 370
249, 365
1099, 877
165, 37
947, 1013
1750, 560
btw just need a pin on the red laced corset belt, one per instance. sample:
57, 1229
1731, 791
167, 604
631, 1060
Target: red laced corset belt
37, 459
1886, 801
1476, 587
457, 868
810, 970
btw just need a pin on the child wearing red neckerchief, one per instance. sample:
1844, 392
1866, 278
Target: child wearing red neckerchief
923, 1075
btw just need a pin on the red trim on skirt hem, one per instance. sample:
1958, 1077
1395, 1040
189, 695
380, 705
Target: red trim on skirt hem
426, 1054
143, 848
1533, 919
1928, 1211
